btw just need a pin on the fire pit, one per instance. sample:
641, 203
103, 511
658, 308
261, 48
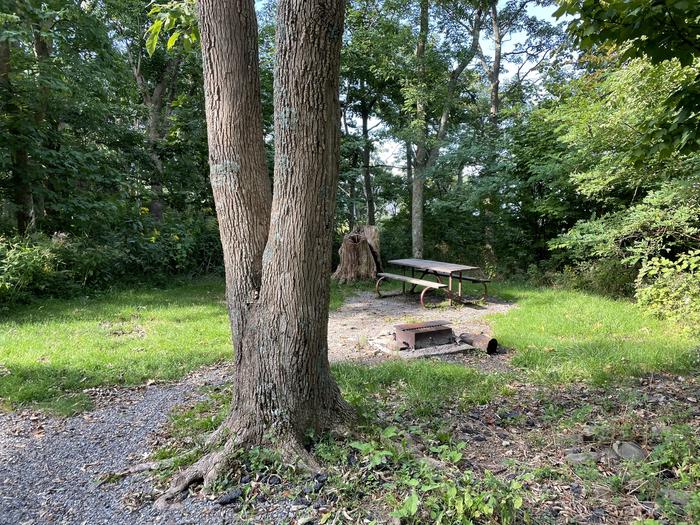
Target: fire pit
423, 335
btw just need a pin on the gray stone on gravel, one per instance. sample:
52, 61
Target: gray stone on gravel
629, 451
581, 458
678, 497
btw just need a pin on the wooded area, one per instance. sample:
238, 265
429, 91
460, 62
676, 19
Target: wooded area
481, 133
296, 147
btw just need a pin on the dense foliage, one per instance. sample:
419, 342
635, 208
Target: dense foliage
564, 158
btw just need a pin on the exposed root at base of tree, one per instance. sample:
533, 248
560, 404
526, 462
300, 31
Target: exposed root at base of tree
214, 464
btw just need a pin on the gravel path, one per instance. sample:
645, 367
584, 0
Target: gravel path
50, 468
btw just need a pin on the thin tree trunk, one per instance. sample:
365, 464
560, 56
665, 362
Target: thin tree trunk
155, 101
496, 68
366, 174
20, 181
409, 173
278, 297
42, 51
352, 216
421, 146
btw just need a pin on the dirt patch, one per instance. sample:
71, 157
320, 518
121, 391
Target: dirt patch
365, 317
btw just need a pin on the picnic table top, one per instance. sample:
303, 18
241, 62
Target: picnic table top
435, 266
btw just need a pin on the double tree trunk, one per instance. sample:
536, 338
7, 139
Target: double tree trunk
277, 252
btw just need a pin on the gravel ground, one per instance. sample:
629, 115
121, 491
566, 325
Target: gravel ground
50, 468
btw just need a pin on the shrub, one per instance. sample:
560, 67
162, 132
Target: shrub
671, 289
607, 277
62, 265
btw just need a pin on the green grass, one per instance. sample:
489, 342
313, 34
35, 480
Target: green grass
565, 335
54, 349
51, 350
423, 387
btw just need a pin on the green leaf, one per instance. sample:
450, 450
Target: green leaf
153, 33
173, 38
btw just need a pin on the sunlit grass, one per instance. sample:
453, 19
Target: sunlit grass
565, 335
51, 350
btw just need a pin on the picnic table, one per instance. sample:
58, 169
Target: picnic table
438, 270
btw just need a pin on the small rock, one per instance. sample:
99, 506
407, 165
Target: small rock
587, 433
321, 477
629, 450
597, 516
245, 479
608, 454
300, 502
657, 430
230, 497
581, 458
274, 479
678, 497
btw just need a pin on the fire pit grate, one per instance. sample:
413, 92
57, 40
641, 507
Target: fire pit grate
423, 335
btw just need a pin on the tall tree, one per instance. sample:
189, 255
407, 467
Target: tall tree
282, 375
432, 127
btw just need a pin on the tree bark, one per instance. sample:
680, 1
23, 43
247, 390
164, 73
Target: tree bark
359, 255
366, 174
421, 159
20, 181
278, 280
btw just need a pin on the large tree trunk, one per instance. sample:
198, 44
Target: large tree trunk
278, 296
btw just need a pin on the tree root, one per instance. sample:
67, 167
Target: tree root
207, 470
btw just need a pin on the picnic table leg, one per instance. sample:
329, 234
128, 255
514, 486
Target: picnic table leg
449, 288
403, 283
460, 285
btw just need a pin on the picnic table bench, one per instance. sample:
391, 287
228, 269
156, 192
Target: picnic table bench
437, 269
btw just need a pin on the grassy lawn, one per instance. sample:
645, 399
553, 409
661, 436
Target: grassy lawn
518, 424
50, 351
56, 348
564, 336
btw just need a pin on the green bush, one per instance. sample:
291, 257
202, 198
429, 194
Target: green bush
606, 277
62, 265
671, 289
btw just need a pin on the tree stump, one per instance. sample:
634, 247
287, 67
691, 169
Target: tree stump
359, 255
